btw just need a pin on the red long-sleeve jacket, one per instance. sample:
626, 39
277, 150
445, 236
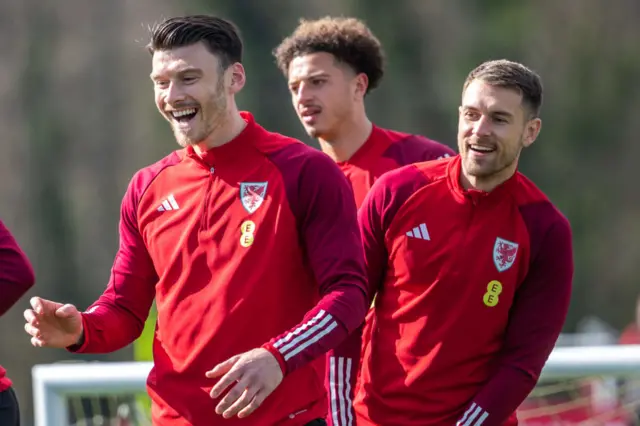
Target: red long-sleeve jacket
16, 278
255, 244
472, 292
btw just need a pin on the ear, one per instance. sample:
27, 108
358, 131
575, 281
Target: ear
531, 131
236, 77
361, 85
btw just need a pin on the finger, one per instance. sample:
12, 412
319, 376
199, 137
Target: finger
37, 304
236, 399
37, 342
226, 381
32, 331
240, 404
257, 400
222, 368
30, 317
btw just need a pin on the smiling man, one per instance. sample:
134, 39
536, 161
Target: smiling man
249, 242
472, 266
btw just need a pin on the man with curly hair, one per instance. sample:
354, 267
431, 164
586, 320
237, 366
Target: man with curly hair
331, 65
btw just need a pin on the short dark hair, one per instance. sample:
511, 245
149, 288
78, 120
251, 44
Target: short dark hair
512, 75
349, 40
220, 36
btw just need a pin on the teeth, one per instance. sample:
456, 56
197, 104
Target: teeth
481, 148
182, 113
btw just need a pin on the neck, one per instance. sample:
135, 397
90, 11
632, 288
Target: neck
348, 139
232, 125
487, 183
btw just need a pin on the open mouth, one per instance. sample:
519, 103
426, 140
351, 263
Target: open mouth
481, 149
184, 115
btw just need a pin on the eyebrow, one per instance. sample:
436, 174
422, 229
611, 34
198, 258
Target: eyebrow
190, 70
502, 113
307, 77
498, 112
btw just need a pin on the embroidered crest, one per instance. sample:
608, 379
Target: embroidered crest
252, 194
504, 254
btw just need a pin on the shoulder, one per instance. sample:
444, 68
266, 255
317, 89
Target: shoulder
545, 222
536, 206
410, 148
145, 176
394, 188
294, 159
413, 176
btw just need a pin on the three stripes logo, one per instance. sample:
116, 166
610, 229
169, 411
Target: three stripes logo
474, 416
420, 232
168, 204
305, 335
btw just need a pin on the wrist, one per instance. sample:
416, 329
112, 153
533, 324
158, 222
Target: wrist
80, 339
278, 356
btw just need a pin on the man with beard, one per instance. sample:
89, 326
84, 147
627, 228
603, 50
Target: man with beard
248, 240
472, 266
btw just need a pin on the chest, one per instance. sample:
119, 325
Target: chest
215, 216
458, 253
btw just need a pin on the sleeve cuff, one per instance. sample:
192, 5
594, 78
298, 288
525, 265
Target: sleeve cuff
278, 356
79, 348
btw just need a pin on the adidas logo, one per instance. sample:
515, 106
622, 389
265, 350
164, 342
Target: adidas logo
420, 232
169, 203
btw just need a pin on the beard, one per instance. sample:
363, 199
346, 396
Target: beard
210, 116
493, 164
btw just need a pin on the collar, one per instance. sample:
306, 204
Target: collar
237, 149
454, 171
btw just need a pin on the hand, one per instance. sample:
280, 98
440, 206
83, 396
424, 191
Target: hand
257, 374
52, 324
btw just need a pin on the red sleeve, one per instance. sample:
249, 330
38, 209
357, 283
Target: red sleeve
537, 315
322, 201
16, 272
117, 318
374, 216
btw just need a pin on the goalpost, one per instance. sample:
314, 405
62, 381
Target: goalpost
579, 385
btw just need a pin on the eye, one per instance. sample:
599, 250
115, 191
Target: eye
189, 79
293, 88
161, 83
317, 81
471, 115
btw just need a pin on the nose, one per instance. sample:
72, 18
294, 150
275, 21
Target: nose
482, 127
173, 94
303, 94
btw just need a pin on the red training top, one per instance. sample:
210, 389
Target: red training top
16, 277
383, 151
473, 290
237, 247
386, 150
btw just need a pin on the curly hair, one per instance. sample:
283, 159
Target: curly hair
349, 40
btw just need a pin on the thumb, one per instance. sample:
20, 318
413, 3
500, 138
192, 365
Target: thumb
67, 311
223, 367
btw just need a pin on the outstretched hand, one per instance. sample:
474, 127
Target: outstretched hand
256, 374
52, 324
